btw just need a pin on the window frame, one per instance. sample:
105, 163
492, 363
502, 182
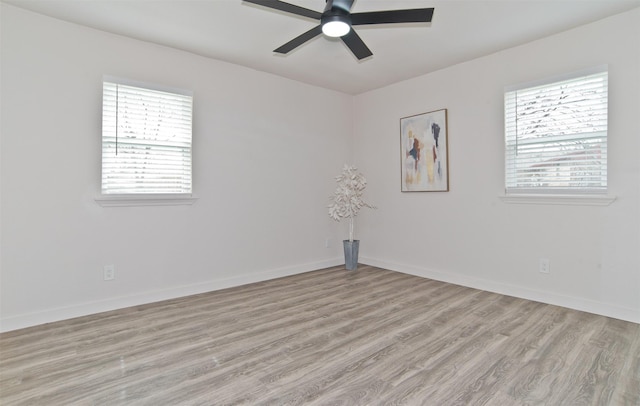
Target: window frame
588, 196
144, 199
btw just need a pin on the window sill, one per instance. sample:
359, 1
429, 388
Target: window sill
571, 200
145, 200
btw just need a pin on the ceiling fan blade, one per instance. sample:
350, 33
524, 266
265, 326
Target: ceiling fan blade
286, 7
356, 45
299, 40
416, 15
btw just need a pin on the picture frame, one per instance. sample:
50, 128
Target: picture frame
424, 152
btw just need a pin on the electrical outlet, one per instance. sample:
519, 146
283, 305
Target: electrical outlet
109, 272
327, 243
543, 265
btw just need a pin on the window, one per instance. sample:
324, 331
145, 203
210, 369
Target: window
146, 140
556, 136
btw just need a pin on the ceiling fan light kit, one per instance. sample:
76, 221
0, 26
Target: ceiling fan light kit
336, 25
337, 21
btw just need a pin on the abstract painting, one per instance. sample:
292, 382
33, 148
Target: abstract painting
424, 152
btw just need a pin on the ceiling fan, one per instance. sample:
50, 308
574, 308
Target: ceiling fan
337, 20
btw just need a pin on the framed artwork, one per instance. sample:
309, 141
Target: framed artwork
424, 152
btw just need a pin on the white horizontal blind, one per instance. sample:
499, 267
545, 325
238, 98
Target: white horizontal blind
146, 140
556, 136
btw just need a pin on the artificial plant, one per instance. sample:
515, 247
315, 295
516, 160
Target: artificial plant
347, 201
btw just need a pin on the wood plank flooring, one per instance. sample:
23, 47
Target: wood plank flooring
329, 337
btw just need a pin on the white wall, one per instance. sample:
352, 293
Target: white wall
264, 163
264, 166
468, 235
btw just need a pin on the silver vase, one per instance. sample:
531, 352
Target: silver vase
351, 254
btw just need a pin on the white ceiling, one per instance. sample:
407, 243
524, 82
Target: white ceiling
246, 34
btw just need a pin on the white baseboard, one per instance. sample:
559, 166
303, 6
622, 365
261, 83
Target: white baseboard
87, 308
585, 305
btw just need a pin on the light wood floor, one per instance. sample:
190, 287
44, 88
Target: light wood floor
329, 337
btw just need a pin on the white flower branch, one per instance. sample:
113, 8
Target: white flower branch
347, 199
